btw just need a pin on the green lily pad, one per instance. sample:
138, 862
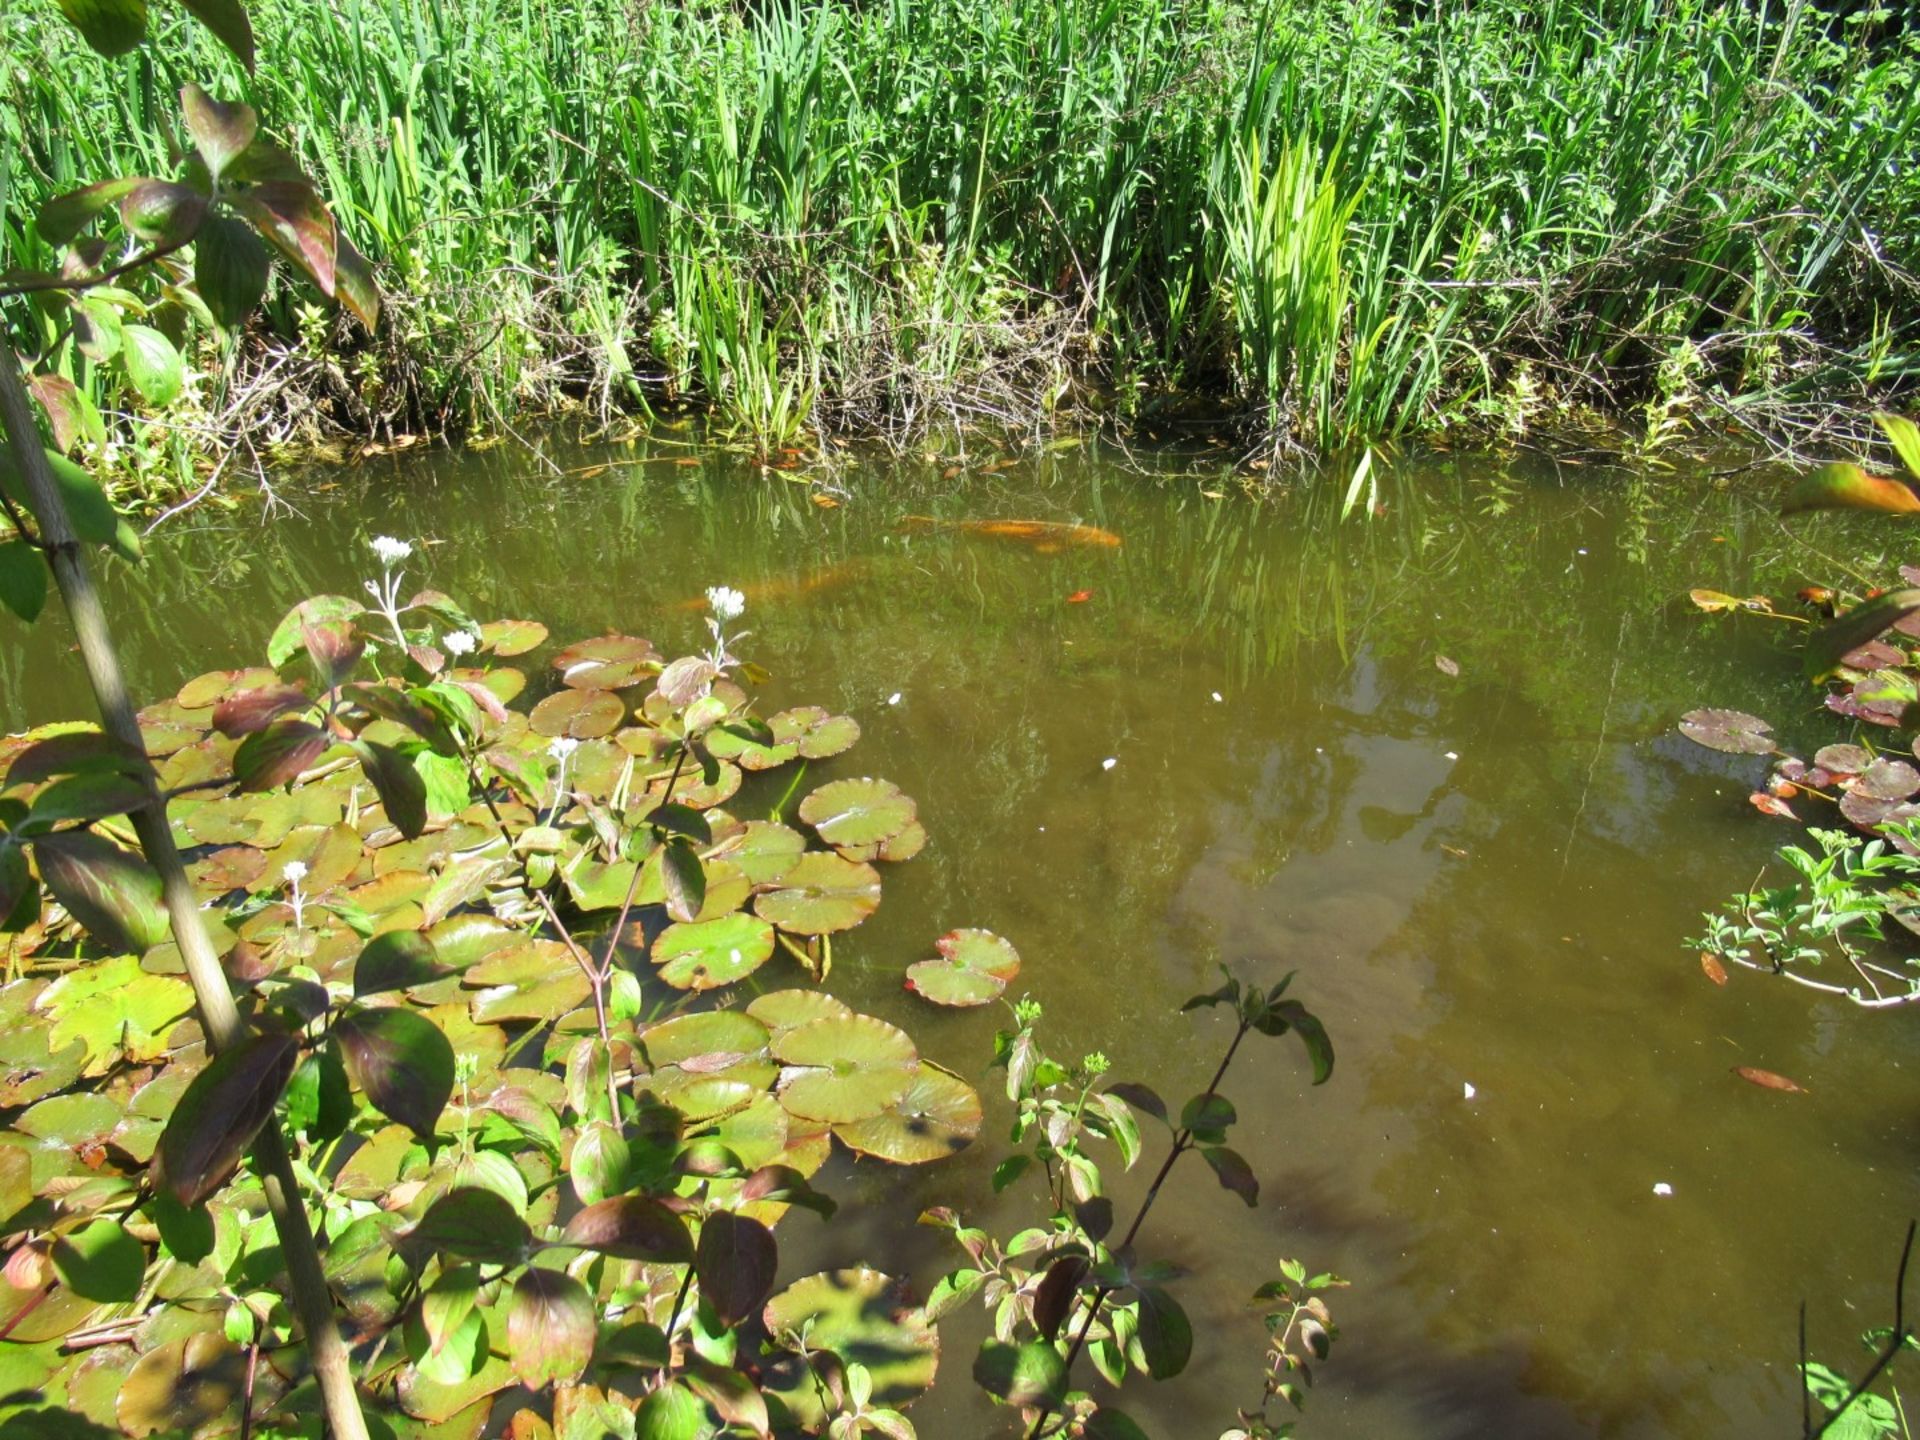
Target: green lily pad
578, 714
821, 894
858, 812
860, 1314
815, 733
974, 967
747, 753
756, 1132
767, 850
708, 1041
71, 1119
204, 691
507, 638
181, 1385
894, 849
116, 1009
846, 1068
784, 1010
937, 1117
707, 954
607, 662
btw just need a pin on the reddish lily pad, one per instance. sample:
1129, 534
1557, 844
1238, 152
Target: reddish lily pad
1732, 731
578, 714
975, 967
607, 662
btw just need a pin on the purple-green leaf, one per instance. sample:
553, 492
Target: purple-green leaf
253, 710
113, 27
1864, 622
162, 212
1030, 1374
472, 1224
1166, 1335
403, 794
275, 755
221, 131
403, 1062
550, 1328
1053, 1301
290, 215
397, 960
1233, 1171
65, 216
632, 1227
220, 1112
736, 1263
229, 269
1847, 487
111, 892
227, 19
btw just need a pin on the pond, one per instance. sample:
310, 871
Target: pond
1232, 737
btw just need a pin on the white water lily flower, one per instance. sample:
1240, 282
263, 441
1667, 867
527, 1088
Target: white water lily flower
458, 642
727, 603
294, 871
563, 747
390, 550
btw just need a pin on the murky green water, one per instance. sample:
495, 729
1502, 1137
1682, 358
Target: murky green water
1482, 879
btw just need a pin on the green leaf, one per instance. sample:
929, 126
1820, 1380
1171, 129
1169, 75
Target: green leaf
319, 1102
1312, 1034
1030, 1374
448, 1302
90, 795
354, 286
397, 960
1208, 1117
402, 790
672, 1412
599, 1163
230, 268
23, 579
151, 363
1233, 1171
1166, 1336
472, 1224
113, 27
88, 510
65, 216
219, 1114
685, 878
1847, 487
275, 756
110, 891
227, 19
100, 1261
186, 1232
221, 131
550, 1328
1106, 1423
403, 1062
1866, 621
1904, 436
736, 1263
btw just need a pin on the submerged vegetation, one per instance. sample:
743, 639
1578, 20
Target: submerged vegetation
1327, 221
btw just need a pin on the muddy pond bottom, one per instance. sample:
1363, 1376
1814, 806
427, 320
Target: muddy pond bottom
1426, 761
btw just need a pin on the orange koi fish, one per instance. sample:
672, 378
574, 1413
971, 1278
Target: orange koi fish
792, 587
1046, 536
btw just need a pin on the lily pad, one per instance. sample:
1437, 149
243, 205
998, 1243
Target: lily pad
767, 851
710, 1040
749, 754
784, 1010
842, 1069
707, 954
939, 1116
820, 895
116, 1009
815, 734
578, 714
894, 849
858, 812
507, 638
1888, 779
974, 967
607, 662
181, 1385
1732, 731
1843, 759
862, 1315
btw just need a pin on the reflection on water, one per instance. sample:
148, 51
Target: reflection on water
1482, 878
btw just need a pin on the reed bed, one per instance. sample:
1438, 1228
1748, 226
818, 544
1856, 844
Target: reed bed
1319, 221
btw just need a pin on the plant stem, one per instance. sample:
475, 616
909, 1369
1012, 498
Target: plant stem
1182, 1143
218, 1014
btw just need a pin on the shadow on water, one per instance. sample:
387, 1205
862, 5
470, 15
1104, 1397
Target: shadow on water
1424, 760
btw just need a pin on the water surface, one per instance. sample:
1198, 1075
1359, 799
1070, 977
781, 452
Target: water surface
1240, 748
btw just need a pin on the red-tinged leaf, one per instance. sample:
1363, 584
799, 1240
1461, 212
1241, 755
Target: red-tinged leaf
550, 1328
113, 27
230, 268
686, 680
354, 285
227, 19
397, 960
1848, 487
65, 216
110, 891
1141, 1097
1053, 1300
90, 795
221, 131
335, 646
162, 212
736, 1263
488, 702
290, 216
274, 755
403, 1062
632, 1227
1771, 805
733, 1396
1767, 1080
402, 791
61, 401
1233, 1172
286, 639
253, 710
472, 1224
1711, 967
220, 1112
77, 753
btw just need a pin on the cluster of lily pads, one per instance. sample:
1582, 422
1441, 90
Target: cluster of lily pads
493, 959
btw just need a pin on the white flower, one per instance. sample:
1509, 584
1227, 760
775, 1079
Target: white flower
294, 871
1663, 1189
563, 747
727, 603
1108, 763
390, 550
458, 642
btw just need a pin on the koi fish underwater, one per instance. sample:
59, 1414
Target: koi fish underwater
1045, 536
792, 587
